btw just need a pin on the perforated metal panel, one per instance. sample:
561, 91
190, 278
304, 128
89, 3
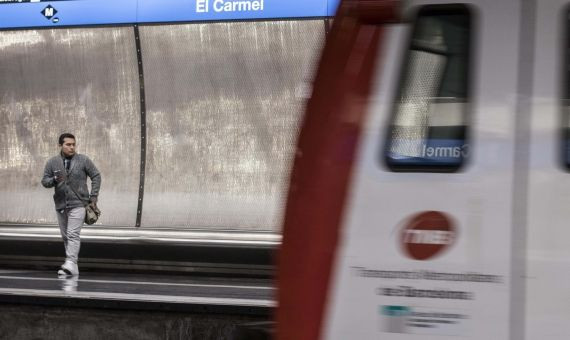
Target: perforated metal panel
82, 81
223, 105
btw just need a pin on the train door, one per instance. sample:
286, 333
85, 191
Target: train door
423, 248
548, 205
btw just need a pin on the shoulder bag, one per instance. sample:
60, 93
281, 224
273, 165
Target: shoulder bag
91, 213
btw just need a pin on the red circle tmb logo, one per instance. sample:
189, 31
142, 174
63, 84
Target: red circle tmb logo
427, 234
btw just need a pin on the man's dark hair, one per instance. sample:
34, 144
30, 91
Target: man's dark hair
64, 136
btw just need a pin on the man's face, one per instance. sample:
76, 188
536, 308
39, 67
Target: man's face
68, 147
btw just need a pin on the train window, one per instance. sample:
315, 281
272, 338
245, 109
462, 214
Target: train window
428, 128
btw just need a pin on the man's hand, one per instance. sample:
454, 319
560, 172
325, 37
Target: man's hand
58, 176
93, 205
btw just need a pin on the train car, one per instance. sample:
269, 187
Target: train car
428, 197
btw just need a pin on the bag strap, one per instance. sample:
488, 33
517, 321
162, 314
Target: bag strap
76, 194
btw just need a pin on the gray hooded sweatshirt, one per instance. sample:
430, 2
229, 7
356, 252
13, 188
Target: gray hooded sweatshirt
80, 168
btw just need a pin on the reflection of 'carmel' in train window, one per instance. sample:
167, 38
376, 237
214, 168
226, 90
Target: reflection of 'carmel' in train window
428, 127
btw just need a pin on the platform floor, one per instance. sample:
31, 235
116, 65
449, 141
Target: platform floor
138, 291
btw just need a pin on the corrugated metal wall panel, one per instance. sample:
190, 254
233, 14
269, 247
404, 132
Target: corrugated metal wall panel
83, 81
223, 105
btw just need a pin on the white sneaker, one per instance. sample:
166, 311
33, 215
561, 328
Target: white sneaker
69, 268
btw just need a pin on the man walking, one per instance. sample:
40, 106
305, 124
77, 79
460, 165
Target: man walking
67, 173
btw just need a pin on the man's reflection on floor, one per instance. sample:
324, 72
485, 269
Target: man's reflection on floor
69, 283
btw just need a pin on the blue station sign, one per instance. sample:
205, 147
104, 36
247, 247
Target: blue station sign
41, 13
